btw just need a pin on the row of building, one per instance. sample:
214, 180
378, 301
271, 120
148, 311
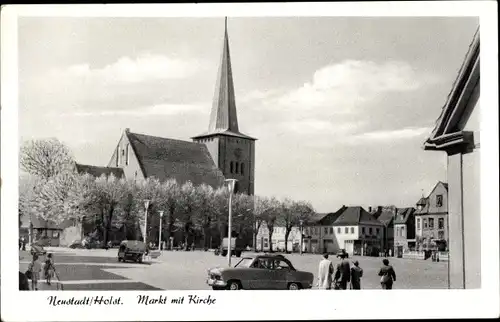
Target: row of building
389, 230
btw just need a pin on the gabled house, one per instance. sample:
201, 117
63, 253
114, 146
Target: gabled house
358, 232
431, 216
386, 215
404, 231
457, 133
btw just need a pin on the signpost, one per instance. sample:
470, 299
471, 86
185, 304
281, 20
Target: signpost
159, 233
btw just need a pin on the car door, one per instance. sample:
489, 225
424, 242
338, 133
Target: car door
282, 274
262, 275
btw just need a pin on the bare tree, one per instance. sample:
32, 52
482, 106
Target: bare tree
45, 158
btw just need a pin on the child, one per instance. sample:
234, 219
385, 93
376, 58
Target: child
35, 268
49, 268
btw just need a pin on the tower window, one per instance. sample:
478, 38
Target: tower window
439, 200
237, 167
242, 169
231, 165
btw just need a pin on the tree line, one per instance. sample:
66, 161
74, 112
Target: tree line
52, 189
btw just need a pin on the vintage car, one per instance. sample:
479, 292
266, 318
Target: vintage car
132, 250
343, 253
37, 249
261, 272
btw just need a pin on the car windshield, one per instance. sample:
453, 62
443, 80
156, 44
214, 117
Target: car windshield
245, 262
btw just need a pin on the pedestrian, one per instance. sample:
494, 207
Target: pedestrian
356, 274
35, 268
343, 272
24, 243
325, 273
24, 284
49, 269
388, 275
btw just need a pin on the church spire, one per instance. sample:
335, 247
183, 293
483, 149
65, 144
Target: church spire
223, 115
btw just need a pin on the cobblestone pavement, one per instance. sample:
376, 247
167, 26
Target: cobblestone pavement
178, 270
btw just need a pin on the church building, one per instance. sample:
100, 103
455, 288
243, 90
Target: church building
219, 153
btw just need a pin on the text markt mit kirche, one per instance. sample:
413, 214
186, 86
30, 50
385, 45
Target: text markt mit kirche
190, 299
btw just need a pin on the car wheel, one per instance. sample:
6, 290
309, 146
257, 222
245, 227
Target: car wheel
233, 285
294, 286
119, 259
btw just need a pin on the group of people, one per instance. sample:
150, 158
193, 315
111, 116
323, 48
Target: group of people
34, 271
345, 275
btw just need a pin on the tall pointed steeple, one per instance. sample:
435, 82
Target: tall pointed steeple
223, 116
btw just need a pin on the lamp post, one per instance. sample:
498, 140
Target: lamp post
301, 234
146, 206
231, 183
159, 233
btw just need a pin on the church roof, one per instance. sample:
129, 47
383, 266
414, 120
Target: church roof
353, 216
99, 171
175, 159
223, 117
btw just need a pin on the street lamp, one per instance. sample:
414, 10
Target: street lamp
231, 183
146, 206
301, 234
159, 233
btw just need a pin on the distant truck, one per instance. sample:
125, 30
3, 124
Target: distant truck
237, 247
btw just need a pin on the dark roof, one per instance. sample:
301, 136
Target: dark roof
315, 219
331, 217
175, 159
387, 215
353, 216
403, 215
99, 171
422, 201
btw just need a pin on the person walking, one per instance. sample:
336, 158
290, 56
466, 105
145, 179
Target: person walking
388, 275
35, 268
49, 269
343, 273
356, 274
325, 273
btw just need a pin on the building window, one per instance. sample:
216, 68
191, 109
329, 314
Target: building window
378, 231
231, 165
441, 223
127, 155
418, 223
431, 223
425, 223
331, 230
370, 231
439, 200
339, 230
352, 230
326, 231
397, 231
242, 169
346, 230
266, 243
55, 234
403, 231
441, 234
363, 230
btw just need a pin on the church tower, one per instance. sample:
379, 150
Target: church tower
232, 151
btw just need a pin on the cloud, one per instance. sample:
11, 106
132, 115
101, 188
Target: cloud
319, 127
351, 83
145, 67
148, 111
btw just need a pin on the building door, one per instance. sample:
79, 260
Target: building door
399, 251
329, 246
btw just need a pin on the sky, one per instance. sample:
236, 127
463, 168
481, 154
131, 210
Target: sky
340, 106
